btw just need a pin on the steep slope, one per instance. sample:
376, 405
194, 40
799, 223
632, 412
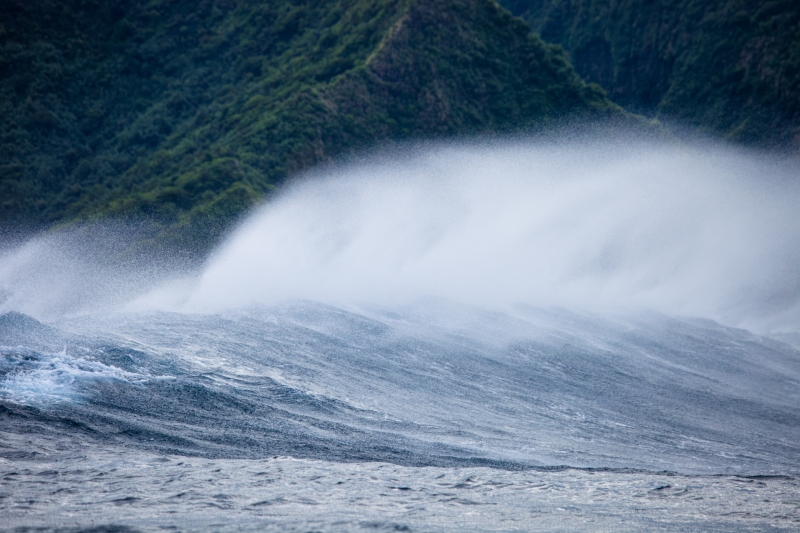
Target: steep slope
188, 112
729, 67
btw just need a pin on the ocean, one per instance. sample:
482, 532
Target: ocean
502, 338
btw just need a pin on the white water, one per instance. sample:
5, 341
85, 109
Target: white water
51, 377
705, 231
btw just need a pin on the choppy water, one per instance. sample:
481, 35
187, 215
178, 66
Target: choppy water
150, 492
253, 394
431, 416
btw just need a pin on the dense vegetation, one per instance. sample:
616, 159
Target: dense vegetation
729, 67
185, 112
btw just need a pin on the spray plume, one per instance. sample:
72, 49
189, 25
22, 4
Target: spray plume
707, 231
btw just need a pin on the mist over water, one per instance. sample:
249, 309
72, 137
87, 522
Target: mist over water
81, 270
705, 231
708, 231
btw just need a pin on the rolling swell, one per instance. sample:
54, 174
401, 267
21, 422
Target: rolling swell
157, 401
433, 383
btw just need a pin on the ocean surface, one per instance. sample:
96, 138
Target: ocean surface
573, 336
431, 416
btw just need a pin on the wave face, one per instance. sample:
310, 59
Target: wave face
429, 384
589, 318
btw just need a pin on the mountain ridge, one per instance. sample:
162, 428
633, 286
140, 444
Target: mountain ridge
727, 68
189, 113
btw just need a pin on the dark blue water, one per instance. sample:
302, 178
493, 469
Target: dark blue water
642, 409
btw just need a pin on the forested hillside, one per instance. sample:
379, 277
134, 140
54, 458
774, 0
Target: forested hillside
728, 67
187, 112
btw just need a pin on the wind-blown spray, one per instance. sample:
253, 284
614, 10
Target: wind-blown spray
708, 231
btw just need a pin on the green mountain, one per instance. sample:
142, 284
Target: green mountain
728, 67
187, 112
